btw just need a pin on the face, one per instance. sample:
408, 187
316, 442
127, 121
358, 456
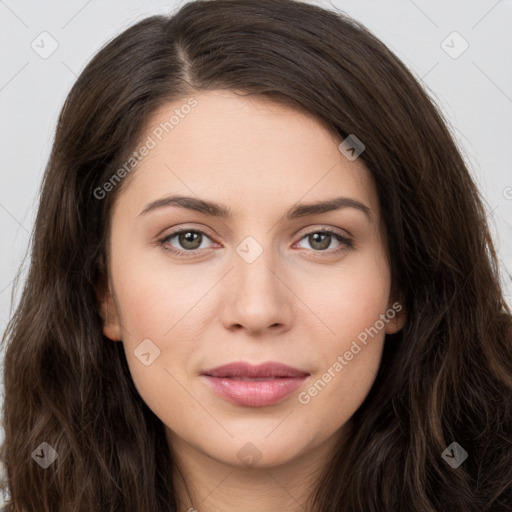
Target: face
191, 290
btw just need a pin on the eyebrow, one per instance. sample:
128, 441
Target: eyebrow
221, 211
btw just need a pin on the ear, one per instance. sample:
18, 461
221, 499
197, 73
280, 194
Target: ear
397, 316
108, 310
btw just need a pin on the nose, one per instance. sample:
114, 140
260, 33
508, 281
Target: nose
258, 297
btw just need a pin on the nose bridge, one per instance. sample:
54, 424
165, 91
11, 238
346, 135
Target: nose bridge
258, 297
255, 265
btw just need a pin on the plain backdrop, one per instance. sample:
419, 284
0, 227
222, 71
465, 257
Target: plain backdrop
460, 50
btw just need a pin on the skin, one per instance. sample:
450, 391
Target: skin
295, 303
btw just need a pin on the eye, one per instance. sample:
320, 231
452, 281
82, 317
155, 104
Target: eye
191, 240
321, 239
188, 239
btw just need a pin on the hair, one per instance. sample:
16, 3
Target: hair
446, 376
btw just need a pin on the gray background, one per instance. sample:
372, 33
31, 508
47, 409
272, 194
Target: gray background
473, 90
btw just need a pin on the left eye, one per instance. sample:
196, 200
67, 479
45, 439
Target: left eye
320, 240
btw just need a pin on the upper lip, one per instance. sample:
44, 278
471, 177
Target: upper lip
241, 369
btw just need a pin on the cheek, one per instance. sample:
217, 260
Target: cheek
164, 310
348, 361
159, 327
334, 396
349, 354
157, 300
350, 299
159, 339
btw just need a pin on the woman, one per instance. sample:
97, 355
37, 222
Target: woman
261, 279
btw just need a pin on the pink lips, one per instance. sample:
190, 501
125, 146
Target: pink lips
254, 386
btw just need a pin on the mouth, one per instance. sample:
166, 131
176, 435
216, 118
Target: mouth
265, 371
254, 386
251, 379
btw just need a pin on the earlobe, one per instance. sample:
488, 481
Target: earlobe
395, 324
108, 312
111, 323
397, 317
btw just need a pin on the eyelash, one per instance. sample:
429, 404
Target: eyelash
348, 243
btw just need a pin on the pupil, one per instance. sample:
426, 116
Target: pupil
188, 238
317, 239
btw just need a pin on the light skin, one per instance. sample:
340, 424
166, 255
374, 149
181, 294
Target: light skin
299, 302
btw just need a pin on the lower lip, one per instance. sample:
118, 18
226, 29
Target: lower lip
254, 393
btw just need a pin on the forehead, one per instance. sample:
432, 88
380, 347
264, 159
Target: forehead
244, 148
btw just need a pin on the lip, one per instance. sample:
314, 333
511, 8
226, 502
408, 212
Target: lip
254, 385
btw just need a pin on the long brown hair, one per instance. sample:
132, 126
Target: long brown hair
446, 377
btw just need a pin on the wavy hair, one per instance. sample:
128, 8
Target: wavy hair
446, 376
